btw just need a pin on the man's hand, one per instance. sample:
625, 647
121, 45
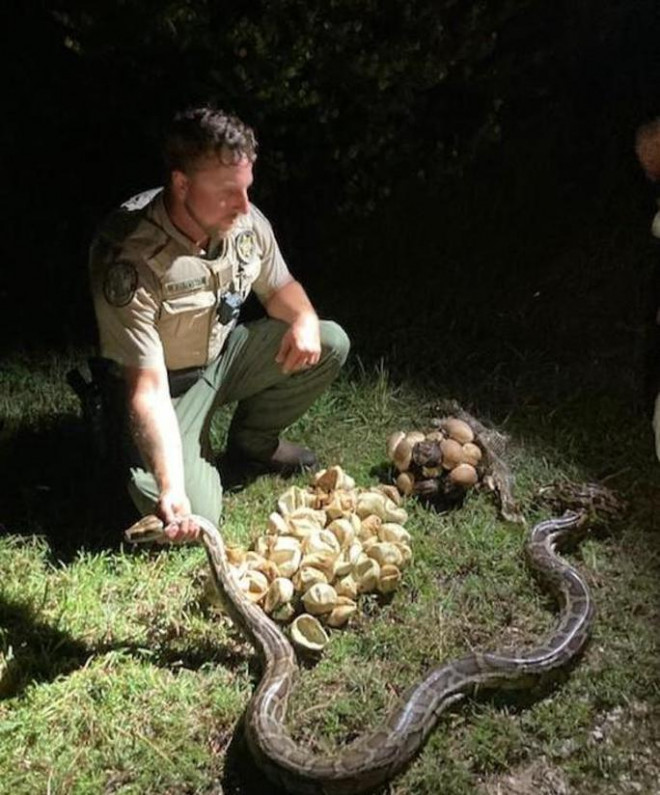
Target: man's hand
301, 344
174, 510
300, 348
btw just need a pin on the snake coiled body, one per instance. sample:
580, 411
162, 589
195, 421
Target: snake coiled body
377, 756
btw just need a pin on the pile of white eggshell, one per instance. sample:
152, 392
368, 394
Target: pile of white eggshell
324, 546
443, 462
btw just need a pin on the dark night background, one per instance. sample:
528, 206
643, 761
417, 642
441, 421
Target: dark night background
445, 177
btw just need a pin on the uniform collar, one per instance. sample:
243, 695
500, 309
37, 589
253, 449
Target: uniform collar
159, 215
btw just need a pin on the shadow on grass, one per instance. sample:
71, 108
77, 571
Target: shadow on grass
41, 651
55, 486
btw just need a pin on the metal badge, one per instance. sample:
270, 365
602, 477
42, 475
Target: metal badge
245, 245
120, 284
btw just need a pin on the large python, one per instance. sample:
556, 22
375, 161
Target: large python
376, 757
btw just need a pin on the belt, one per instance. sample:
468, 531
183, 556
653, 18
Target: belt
180, 381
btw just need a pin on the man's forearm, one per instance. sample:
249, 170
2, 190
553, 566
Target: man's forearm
156, 432
290, 304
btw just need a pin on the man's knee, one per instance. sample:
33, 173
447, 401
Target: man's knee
334, 341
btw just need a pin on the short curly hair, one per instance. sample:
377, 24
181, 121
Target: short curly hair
647, 148
201, 132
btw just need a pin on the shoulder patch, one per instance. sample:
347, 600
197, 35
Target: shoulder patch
245, 245
120, 284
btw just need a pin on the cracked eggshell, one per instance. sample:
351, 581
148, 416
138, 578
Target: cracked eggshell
367, 543
393, 513
366, 572
389, 531
341, 613
390, 577
254, 560
262, 546
279, 592
254, 584
341, 504
356, 522
458, 430
304, 521
308, 634
323, 561
320, 598
277, 524
235, 555
286, 553
347, 559
284, 613
333, 478
321, 540
406, 552
369, 526
295, 497
370, 502
257, 562
347, 586
385, 553
391, 492
343, 530
306, 576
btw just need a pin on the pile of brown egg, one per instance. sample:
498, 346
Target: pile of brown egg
324, 546
445, 462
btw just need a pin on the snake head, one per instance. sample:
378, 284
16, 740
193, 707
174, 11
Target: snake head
149, 528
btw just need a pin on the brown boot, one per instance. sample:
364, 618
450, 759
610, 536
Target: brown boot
288, 459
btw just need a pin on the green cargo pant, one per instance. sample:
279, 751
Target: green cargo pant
268, 402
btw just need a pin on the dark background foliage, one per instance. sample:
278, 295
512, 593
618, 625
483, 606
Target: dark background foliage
429, 165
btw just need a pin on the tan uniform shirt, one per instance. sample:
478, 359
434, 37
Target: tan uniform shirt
156, 295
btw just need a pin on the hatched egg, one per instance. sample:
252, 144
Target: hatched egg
308, 634
347, 586
306, 576
320, 598
385, 553
389, 579
389, 531
341, 612
366, 572
279, 593
254, 584
343, 530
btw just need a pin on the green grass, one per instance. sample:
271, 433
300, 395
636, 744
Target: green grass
118, 675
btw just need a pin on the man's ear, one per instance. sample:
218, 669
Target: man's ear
179, 182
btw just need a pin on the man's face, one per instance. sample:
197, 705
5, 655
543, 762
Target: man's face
215, 194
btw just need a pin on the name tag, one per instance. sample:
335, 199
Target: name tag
185, 286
